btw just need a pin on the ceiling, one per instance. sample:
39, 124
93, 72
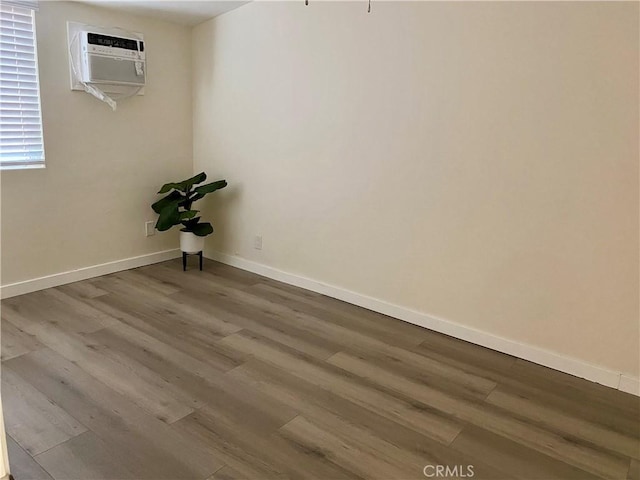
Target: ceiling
183, 12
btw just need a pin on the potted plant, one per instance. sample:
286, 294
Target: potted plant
175, 209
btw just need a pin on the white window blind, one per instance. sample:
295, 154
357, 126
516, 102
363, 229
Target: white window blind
21, 143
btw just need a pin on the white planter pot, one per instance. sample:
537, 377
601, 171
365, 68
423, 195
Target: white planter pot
190, 243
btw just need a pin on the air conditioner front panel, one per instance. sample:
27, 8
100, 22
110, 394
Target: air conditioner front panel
116, 71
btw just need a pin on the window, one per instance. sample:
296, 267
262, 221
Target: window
21, 143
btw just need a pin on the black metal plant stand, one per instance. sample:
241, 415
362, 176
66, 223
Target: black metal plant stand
184, 259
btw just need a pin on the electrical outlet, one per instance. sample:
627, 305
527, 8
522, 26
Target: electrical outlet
149, 229
257, 242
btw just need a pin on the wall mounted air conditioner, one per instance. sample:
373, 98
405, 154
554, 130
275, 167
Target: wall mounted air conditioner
113, 60
106, 62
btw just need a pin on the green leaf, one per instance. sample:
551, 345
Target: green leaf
191, 223
170, 186
185, 185
172, 198
199, 178
202, 190
188, 214
202, 229
169, 216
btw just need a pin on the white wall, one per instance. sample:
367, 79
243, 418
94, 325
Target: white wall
102, 168
474, 161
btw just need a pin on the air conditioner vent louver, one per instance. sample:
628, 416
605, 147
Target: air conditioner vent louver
106, 59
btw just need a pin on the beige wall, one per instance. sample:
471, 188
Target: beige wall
477, 161
103, 168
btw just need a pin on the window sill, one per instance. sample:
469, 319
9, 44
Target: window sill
4, 168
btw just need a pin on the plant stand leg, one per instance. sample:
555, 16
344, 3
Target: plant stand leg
200, 255
184, 261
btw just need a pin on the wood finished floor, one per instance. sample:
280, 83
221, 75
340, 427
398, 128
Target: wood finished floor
155, 373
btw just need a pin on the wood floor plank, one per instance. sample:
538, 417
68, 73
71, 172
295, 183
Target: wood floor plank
147, 387
465, 353
377, 327
576, 388
574, 405
22, 465
137, 279
15, 341
65, 303
317, 404
210, 387
147, 447
256, 453
33, 421
431, 372
634, 470
190, 336
352, 339
213, 272
155, 354
531, 384
512, 459
164, 307
244, 456
263, 323
224, 374
227, 473
47, 306
346, 338
569, 450
131, 308
227, 272
356, 451
290, 288
564, 422
82, 290
431, 423
84, 457
141, 385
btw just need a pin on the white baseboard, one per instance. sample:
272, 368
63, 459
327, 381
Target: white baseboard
630, 384
541, 356
547, 358
28, 286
